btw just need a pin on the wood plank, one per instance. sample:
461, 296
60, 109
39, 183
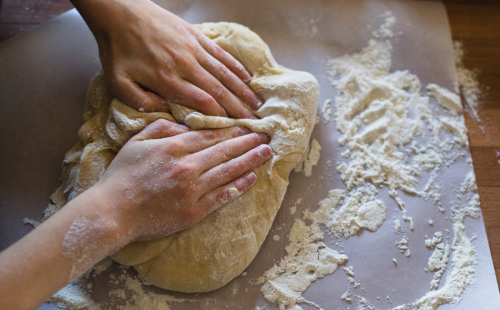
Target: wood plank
487, 132
486, 166
494, 245
490, 198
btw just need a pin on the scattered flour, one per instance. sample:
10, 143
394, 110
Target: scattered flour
396, 225
346, 296
446, 98
467, 81
402, 245
293, 208
130, 295
312, 157
31, 222
438, 263
431, 243
326, 110
381, 116
307, 260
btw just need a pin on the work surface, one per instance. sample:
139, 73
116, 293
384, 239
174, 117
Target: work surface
480, 51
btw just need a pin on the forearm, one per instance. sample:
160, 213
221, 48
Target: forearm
103, 14
56, 252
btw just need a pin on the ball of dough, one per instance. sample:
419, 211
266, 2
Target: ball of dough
216, 250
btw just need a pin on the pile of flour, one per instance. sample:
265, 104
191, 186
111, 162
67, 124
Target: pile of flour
381, 116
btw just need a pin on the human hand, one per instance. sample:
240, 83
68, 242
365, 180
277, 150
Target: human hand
149, 54
166, 178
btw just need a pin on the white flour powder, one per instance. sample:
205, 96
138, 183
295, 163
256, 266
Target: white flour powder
467, 81
381, 116
312, 157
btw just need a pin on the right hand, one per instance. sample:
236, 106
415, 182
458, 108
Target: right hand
166, 178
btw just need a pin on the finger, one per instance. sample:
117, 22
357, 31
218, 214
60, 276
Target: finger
195, 141
224, 194
227, 150
159, 129
224, 57
227, 172
197, 99
130, 93
207, 82
230, 80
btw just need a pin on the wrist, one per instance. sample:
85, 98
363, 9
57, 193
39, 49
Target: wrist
102, 16
98, 206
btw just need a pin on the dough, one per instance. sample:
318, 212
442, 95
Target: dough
216, 250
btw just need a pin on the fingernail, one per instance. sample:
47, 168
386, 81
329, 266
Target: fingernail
243, 130
252, 177
257, 103
263, 138
264, 150
247, 77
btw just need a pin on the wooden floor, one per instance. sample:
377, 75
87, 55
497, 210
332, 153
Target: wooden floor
475, 23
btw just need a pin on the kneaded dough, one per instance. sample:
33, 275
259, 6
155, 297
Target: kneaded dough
216, 250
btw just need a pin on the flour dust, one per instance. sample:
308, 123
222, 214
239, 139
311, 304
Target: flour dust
381, 115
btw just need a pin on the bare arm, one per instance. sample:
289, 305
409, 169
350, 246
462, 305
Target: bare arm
164, 180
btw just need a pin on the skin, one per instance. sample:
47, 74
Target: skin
166, 178
149, 54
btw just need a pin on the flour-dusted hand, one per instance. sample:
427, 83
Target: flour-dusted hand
167, 178
149, 54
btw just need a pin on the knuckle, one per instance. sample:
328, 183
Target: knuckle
184, 61
192, 214
253, 139
204, 100
224, 151
210, 134
184, 169
162, 124
175, 144
222, 92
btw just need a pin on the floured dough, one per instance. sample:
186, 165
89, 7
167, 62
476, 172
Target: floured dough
216, 250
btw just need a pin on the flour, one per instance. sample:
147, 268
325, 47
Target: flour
312, 157
381, 115
307, 260
438, 262
397, 226
359, 211
130, 295
431, 243
467, 81
31, 222
402, 245
82, 245
446, 98
346, 296
326, 110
